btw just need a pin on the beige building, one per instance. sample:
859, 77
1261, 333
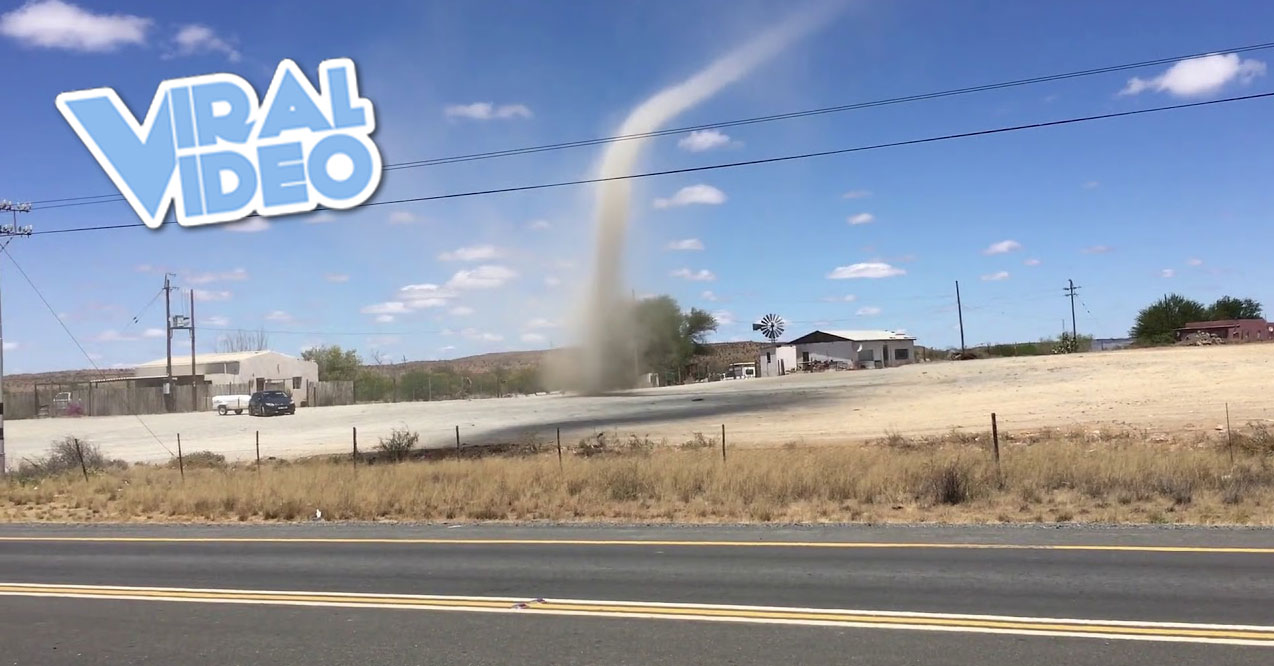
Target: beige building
258, 370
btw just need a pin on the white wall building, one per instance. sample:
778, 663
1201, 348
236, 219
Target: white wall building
259, 369
859, 349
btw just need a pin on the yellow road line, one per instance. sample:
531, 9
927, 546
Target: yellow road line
849, 545
1107, 629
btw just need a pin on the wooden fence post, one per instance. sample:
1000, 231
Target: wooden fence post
559, 450
258, 452
722, 442
1229, 436
355, 456
995, 442
457, 442
79, 453
181, 465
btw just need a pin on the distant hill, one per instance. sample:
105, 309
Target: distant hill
721, 354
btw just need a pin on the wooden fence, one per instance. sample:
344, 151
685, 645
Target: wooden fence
124, 398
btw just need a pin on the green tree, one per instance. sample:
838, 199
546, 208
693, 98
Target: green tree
1156, 322
668, 338
334, 363
1228, 307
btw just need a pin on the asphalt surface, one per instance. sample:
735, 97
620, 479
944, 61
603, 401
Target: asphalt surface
1195, 586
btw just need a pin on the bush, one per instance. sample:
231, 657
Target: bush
64, 456
200, 459
399, 443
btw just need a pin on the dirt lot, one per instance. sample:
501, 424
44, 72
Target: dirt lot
1160, 390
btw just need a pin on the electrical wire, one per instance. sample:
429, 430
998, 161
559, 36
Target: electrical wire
744, 163
87, 356
746, 121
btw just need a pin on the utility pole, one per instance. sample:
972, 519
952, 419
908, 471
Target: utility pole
960, 310
168, 334
7, 231
194, 398
1070, 290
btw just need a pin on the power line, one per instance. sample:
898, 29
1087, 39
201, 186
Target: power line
87, 356
106, 198
731, 165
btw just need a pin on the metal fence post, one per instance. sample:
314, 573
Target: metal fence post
559, 450
457, 442
355, 456
79, 453
181, 465
722, 442
258, 452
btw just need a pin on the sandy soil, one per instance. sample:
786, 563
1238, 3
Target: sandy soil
1160, 390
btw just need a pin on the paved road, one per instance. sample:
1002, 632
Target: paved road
548, 595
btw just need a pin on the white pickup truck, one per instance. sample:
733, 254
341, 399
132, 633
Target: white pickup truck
227, 403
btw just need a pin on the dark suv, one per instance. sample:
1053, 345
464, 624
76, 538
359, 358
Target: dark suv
271, 403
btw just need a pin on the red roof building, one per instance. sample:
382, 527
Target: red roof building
1230, 329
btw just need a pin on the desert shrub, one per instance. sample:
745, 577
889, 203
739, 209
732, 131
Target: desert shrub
64, 456
949, 483
399, 443
698, 442
200, 459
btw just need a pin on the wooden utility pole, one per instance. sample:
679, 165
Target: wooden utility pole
194, 395
168, 335
1070, 290
7, 231
960, 311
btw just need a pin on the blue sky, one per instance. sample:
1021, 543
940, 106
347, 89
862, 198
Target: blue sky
1129, 208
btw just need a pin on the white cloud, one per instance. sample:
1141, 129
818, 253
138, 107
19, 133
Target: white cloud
10, 346
534, 338
447, 348
1194, 261
54, 24
482, 277
708, 296
870, 269
1090, 185
472, 253
693, 194
249, 226
541, 322
153, 333
1167, 273
857, 194
112, 335
1197, 77
687, 244
1031, 262
1096, 249
861, 218
724, 317
321, 217
205, 295
475, 334
868, 311
377, 341
462, 311
1003, 247
216, 321
384, 319
235, 275
402, 217
336, 277
279, 316
539, 225
996, 276
487, 111
388, 307
144, 268
194, 39
847, 298
552, 281
701, 140
417, 292
702, 275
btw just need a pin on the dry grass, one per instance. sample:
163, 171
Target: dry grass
1052, 476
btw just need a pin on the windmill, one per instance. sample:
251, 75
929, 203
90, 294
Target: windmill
771, 326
